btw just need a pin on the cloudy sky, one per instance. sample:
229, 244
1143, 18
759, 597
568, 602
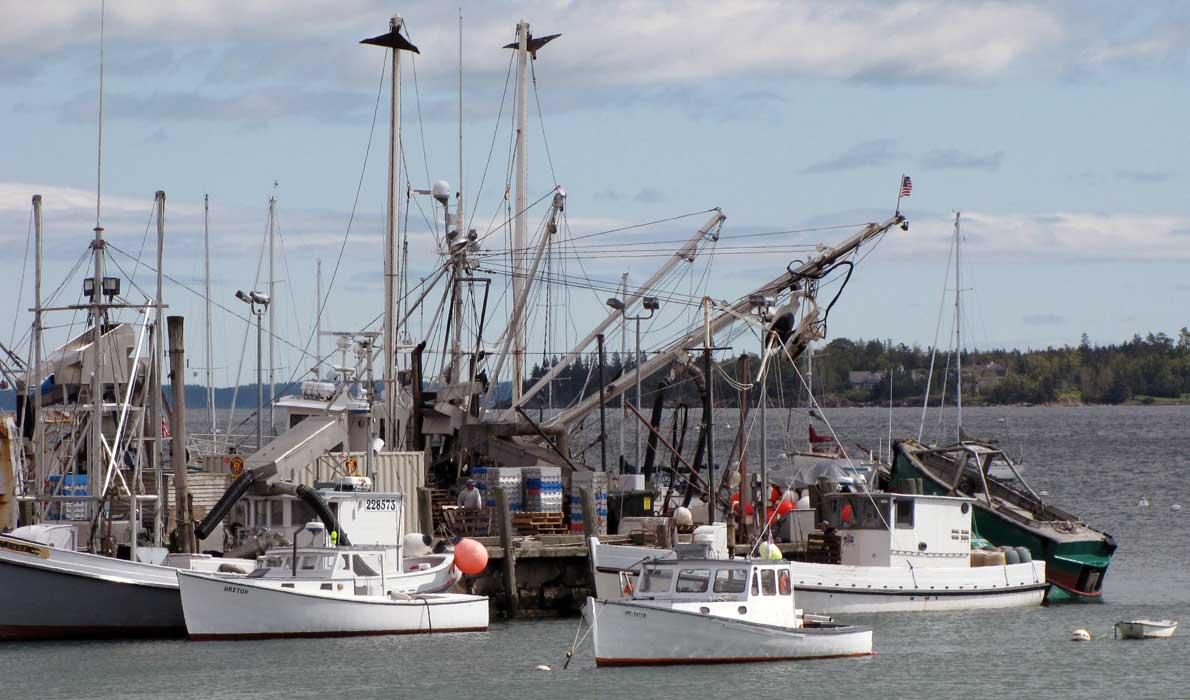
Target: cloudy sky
1056, 128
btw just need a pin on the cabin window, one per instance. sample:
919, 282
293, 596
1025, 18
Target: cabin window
693, 580
346, 563
308, 563
768, 581
755, 583
904, 512
784, 584
362, 568
656, 581
730, 580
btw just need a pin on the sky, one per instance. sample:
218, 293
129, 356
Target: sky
1055, 128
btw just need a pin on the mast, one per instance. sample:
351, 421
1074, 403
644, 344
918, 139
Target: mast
396, 43
38, 431
155, 454
623, 354
459, 195
518, 235
958, 326
206, 244
272, 329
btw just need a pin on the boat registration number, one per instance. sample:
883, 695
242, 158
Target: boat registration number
634, 613
389, 504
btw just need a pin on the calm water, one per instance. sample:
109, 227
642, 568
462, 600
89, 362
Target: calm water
1096, 461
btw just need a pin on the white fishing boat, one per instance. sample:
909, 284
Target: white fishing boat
1145, 629
700, 611
336, 586
885, 552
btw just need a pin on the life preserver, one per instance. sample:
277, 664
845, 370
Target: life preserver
349, 466
237, 466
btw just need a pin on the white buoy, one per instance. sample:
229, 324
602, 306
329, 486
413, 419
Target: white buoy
1080, 635
543, 667
1176, 506
1143, 502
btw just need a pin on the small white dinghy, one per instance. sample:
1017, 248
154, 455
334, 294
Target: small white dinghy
1145, 629
704, 611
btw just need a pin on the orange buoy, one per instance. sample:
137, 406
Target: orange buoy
471, 557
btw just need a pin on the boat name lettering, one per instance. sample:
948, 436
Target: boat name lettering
21, 547
235, 589
389, 504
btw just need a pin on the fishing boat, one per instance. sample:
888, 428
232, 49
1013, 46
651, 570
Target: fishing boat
58, 593
910, 553
1145, 629
336, 586
1076, 555
705, 611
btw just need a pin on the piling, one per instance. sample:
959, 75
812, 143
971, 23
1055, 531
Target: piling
588, 506
177, 375
425, 511
506, 533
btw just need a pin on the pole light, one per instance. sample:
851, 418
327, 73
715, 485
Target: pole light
258, 303
650, 304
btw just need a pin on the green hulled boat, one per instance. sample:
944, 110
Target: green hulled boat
1076, 555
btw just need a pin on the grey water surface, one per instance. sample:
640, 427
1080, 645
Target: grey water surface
1095, 461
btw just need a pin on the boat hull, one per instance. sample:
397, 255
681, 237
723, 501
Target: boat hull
630, 634
1145, 629
51, 593
220, 608
834, 589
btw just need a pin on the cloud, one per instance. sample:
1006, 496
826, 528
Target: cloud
645, 195
953, 159
1143, 177
1043, 319
861, 155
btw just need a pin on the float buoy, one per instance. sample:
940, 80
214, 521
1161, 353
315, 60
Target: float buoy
471, 557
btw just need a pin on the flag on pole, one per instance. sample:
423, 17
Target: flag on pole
906, 186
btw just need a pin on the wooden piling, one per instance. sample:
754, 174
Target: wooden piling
177, 371
505, 518
425, 511
588, 505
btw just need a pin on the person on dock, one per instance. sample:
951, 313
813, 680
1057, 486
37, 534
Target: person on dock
470, 497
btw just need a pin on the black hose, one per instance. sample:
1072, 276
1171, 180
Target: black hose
315, 501
234, 493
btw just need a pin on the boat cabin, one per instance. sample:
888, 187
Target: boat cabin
891, 529
368, 517
756, 591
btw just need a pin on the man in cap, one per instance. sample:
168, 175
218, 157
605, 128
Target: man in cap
470, 498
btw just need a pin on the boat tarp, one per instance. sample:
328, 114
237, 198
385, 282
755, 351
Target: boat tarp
1097, 560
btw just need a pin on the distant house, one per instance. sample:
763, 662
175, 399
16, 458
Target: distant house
860, 379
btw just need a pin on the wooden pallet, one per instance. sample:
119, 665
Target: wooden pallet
467, 523
528, 524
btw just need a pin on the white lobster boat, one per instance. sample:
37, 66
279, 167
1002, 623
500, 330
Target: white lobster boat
365, 588
703, 611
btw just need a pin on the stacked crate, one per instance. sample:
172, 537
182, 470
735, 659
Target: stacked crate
597, 483
487, 479
543, 489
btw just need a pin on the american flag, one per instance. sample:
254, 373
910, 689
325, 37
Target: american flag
906, 186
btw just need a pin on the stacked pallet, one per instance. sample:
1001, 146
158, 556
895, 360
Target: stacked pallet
539, 523
543, 489
597, 483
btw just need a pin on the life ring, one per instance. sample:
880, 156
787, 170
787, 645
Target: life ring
349, 466
237, 466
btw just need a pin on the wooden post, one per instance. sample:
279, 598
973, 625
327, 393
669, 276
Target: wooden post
177, 375
425, 511
588, 504
510, 587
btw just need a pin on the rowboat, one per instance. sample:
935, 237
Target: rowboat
1145, 629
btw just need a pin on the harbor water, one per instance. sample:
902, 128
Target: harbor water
1094, 461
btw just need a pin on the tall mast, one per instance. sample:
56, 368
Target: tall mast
272, 305
518, 234
95, 445
624, 354
397, 43
958, 326
38, 431
526, 47
155, 455
459, 197
206, 244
